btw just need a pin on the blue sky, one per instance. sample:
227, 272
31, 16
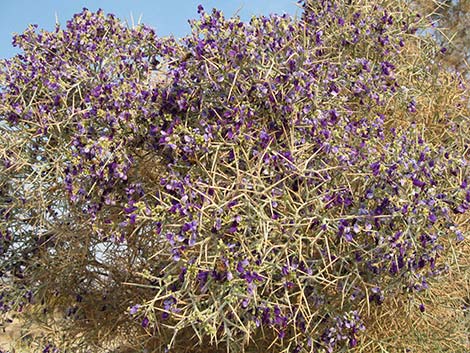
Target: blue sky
166, 16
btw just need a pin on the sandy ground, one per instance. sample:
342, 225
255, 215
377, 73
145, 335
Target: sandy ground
9, 334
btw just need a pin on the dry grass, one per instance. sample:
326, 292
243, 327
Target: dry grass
444, 326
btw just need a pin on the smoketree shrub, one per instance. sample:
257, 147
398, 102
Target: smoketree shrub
273, 178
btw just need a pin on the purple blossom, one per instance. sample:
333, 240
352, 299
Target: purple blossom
375, 168
418, 183
145, 322
242, 265
133, 310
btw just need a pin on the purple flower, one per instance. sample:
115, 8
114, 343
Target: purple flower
459, 236
266, 317
190, 226
462, 208
387, 68
134, 309
241, 265
202, 277
375, 168
418, 183
251, 276
145, 322
348, 236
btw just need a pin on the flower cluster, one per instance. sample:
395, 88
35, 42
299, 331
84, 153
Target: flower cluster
277, 174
